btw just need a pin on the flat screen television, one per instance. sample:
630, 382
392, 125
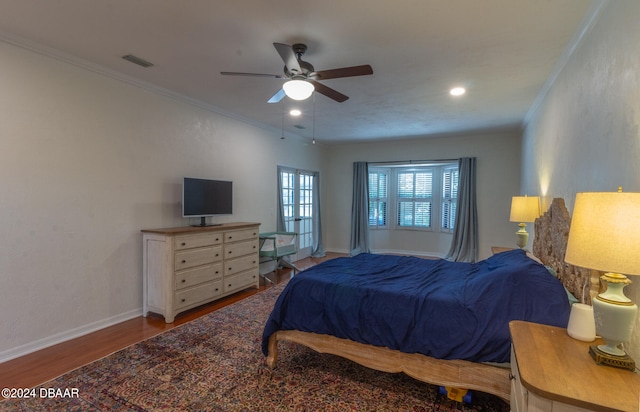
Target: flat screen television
204, 197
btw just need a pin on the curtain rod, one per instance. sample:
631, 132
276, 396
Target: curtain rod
405, 162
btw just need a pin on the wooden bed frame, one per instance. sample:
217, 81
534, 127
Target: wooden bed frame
552, 231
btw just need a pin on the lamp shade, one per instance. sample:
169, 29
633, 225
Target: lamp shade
605, 232
524, 208
298, 89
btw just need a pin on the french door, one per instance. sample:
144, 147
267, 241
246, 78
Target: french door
297, 201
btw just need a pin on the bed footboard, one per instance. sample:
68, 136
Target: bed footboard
454, 373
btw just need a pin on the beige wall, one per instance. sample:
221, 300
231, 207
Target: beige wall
86, 162
498, 178
585, 135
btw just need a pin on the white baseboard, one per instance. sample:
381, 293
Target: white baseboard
408, 253
395, 252
67, 335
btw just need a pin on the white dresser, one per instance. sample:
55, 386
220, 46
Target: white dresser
185, 267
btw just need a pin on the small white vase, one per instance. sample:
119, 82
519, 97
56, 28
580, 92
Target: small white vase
582, 324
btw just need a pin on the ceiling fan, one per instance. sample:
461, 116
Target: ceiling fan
301, 74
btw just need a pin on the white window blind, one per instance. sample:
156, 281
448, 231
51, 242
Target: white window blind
449, 197
414, 196
378, 190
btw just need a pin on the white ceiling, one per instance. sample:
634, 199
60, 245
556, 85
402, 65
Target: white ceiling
502, 51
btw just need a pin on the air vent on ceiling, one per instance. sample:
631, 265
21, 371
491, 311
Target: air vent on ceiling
137, 60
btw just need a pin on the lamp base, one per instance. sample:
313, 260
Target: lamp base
603, 358
522, 236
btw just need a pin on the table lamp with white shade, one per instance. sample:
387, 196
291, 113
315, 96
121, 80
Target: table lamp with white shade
605, 236
524, 209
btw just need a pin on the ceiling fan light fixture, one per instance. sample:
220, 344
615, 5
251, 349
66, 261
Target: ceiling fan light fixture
298, 89
457, 91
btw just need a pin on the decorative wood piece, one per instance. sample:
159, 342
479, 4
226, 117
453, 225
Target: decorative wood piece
550, 245
454, 373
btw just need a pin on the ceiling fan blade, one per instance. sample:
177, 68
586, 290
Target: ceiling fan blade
273, 76
329, 92
277, 97
345, 72
289, 57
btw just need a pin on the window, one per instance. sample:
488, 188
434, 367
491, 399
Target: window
414, 197
378, 184
449, 197
420, 197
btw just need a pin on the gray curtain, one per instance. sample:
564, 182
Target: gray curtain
317, 247
464, 245
280, 226
360, 209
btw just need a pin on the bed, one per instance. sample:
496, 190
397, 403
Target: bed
372, 309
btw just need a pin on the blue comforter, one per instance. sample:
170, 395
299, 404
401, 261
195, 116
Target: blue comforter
443, 309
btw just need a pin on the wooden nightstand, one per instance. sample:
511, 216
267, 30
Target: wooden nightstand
553, 372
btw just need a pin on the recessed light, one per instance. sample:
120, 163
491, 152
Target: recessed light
295, 112
457, 91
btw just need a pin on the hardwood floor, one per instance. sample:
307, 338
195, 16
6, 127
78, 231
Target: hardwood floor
38, 367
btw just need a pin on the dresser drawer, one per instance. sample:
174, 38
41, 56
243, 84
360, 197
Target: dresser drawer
196, 257
191, 277
198, 294
199, 240
239, 235
233, 266
241, 281
232, 250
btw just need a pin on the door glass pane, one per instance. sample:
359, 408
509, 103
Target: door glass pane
288, 200
306, 210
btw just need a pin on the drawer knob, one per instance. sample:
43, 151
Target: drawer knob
511, 377
184, 243
184, 280
184, 261
184, 300
216, 289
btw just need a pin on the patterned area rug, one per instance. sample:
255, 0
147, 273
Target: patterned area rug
214, 363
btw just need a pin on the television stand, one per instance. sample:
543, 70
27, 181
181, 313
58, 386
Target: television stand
203, 223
